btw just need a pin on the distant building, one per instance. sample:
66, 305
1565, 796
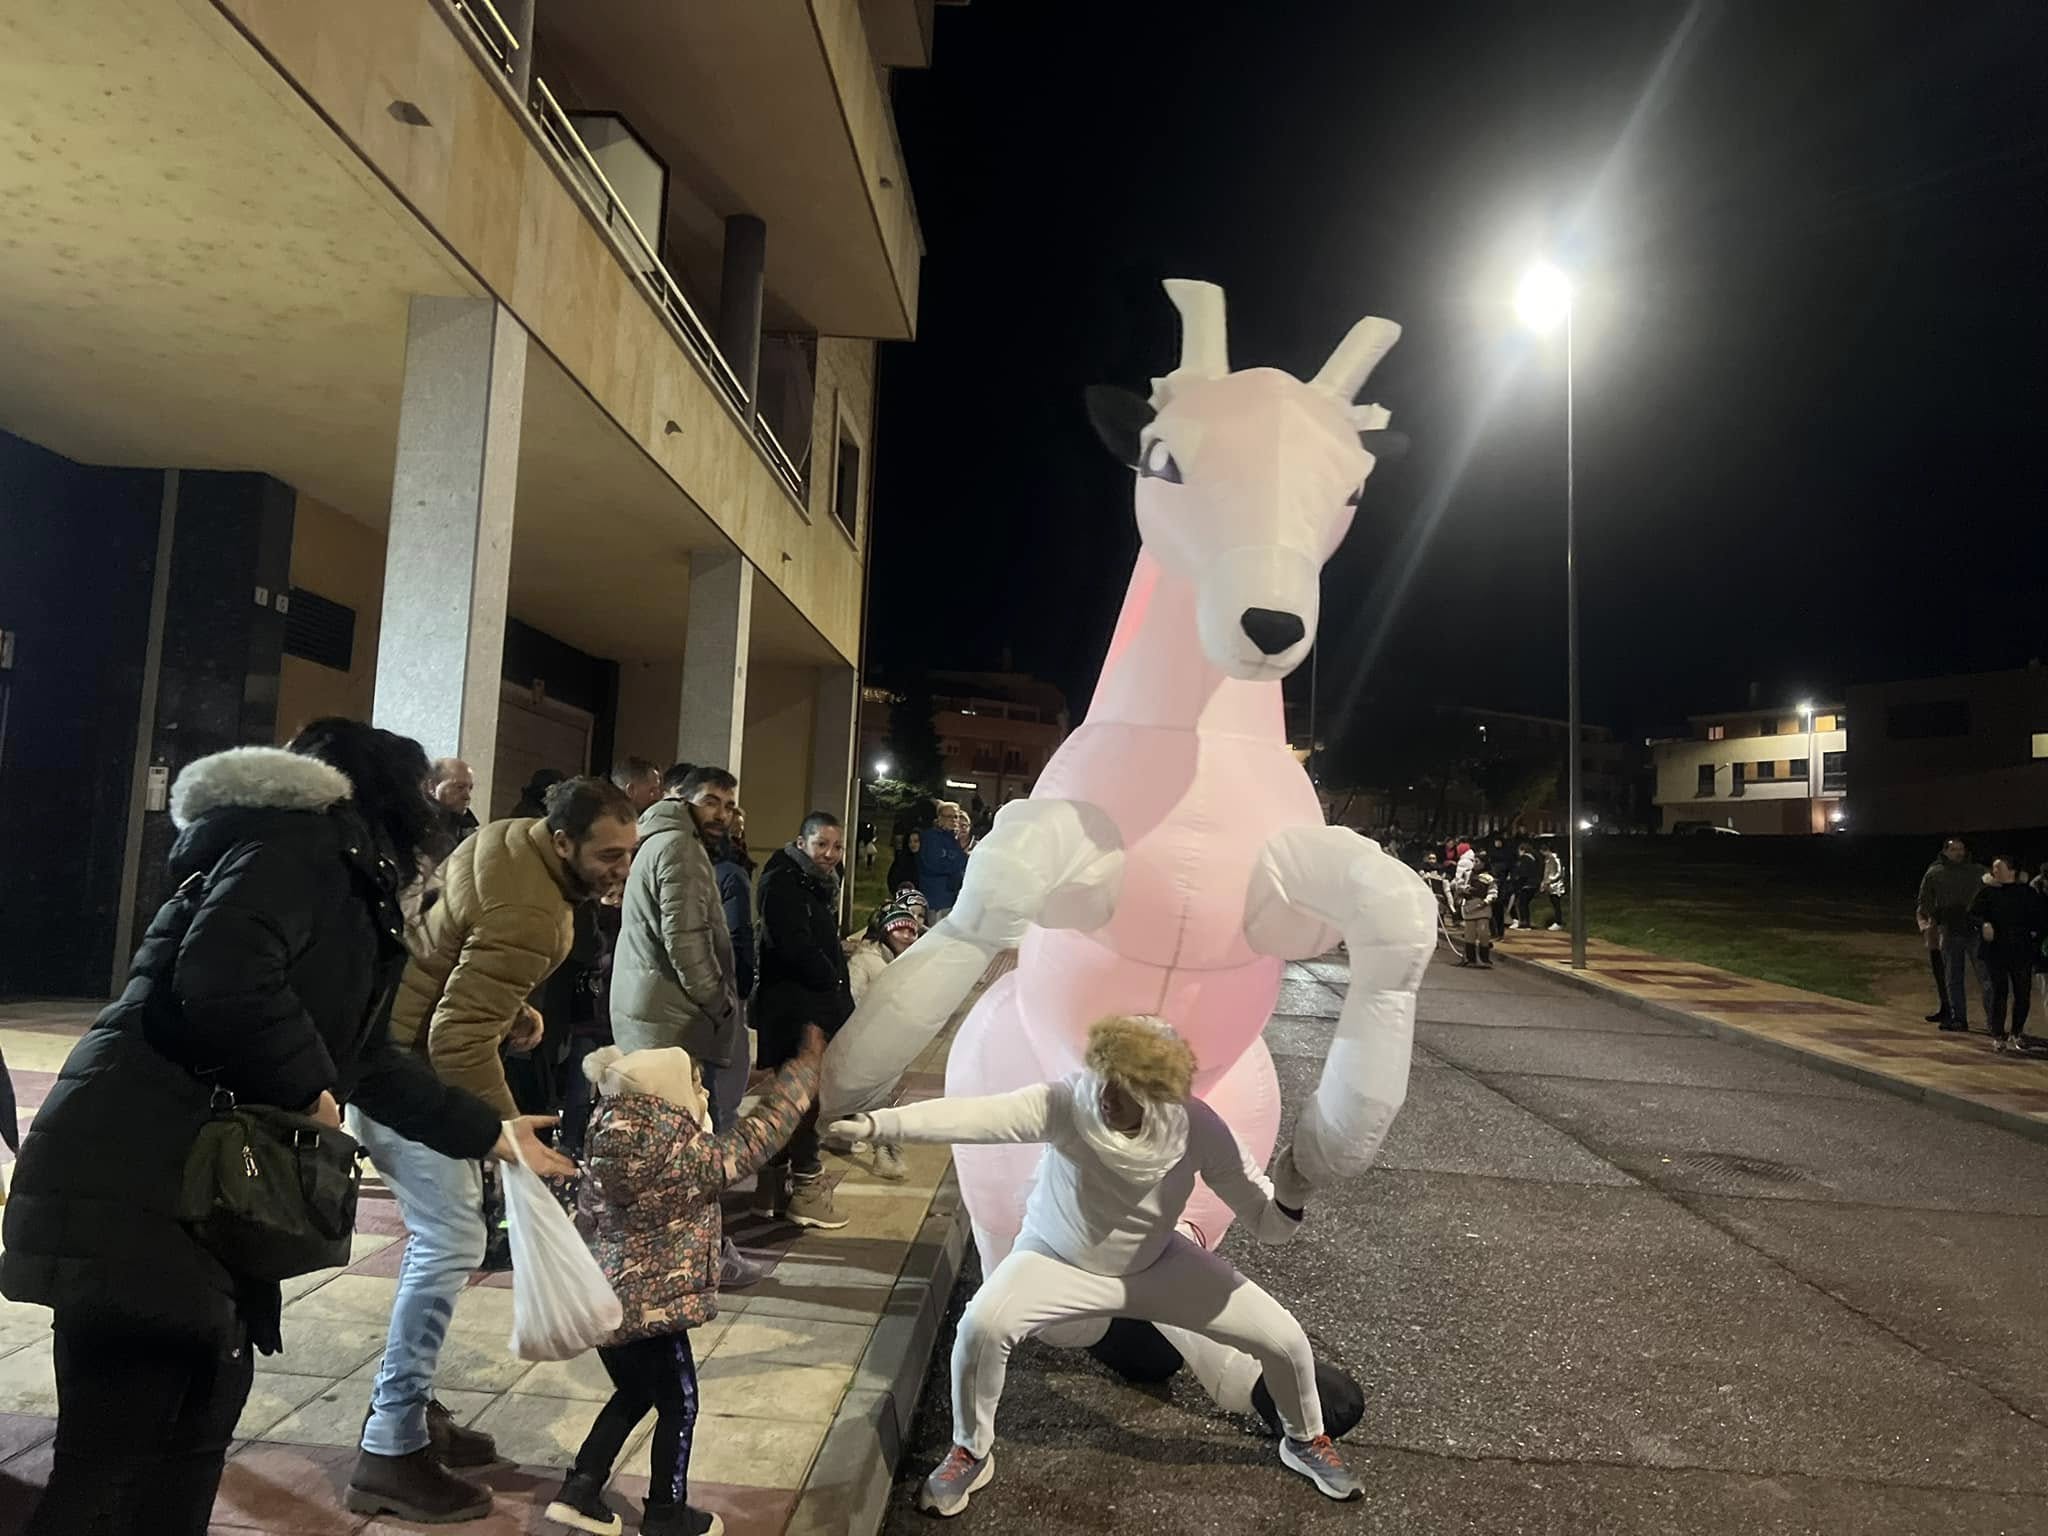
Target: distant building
1757, 771
1952, 754
997, 731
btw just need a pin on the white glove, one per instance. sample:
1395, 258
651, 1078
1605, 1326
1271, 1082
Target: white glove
844, 1133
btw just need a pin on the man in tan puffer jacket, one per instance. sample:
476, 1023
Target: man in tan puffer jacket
501, 926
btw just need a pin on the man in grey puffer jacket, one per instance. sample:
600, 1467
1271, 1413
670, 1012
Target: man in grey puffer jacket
673, 980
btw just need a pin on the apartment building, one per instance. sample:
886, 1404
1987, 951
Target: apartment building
1772, 772
504, 373
1936, 755
996, 730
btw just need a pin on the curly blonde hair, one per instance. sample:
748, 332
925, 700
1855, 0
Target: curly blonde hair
1144, 1055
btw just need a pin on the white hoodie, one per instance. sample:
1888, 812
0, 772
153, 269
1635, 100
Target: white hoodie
1082, 1208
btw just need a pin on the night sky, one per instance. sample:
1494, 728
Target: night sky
1811, 335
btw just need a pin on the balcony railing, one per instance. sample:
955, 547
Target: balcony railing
643, 258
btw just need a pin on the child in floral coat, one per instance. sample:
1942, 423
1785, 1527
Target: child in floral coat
652, 1177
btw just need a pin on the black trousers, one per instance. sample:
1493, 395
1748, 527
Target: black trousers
658, 1373
143, 1426
2012, 976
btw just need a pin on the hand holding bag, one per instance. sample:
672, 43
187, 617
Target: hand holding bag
269, 1193
562, 1304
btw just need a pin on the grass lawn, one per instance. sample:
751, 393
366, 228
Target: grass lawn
1824, 929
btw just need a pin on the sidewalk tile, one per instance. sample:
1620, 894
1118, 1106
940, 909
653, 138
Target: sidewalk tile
335, 1416
273, 1397
23, 1431
28, 1380
330, 1347
270, 1487
748, 1453
542, 1431
767, 1336
747, 1386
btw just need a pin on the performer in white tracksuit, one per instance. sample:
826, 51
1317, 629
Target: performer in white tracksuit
1124, 1143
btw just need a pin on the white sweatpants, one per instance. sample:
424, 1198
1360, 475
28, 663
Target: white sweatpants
1186, 1287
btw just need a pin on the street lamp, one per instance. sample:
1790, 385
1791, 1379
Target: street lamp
881, 767
1543, 300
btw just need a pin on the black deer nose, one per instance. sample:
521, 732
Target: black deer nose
1271, 630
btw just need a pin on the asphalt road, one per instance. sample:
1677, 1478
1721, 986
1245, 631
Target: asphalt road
1609, 1277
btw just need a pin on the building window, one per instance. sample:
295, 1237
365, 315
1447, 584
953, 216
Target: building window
2041, 743
846, 483
1927, 718
1706, 785
1767, 727
1013, 760
1834, 773
1736, 776
1796, 769
1825, 722
984, 759
1717, 733
1766, 771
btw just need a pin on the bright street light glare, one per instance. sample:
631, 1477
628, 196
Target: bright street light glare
881, 767
1543, 297
1806, 707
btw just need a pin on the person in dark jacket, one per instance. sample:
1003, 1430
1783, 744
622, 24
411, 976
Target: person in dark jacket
533, 800
273, 972
941, 865
2012, 916
1527, 876
1946, 892
903, 860
734, 867
803, 981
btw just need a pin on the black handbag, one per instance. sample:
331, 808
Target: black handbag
268, 1192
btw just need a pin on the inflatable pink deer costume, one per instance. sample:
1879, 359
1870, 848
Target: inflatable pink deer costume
1173, 855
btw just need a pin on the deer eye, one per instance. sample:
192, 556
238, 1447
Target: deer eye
1156, 462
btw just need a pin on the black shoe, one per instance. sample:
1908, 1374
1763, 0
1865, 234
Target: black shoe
679, 1520
581, 1505
1342, 1398
1950, 1026
1937, 1018
414, 1487
455, 1447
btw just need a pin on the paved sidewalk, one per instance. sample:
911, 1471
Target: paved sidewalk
1884, 1047
789, 1366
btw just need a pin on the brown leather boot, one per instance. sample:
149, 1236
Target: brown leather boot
414, 1487
455, 1447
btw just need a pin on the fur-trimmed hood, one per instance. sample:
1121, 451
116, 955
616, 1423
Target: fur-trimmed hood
256, 778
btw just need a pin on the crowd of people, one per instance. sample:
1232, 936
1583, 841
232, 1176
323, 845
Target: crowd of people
593, 980
1986, 924
1486, 886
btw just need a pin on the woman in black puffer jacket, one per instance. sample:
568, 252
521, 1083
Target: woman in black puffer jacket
282, 985
803, 981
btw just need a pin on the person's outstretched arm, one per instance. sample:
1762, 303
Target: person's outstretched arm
1023, 1116
1235, 1179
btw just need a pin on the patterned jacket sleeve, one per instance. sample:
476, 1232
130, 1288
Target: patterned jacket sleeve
715, 1163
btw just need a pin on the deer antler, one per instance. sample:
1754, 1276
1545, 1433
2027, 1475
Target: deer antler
1357, 354
1204, 348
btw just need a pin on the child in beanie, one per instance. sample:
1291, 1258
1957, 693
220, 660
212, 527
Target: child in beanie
652, 1174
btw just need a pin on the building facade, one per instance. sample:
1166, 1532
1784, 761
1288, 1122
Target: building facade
503, 373
1952, 754
996, 730
1770, 772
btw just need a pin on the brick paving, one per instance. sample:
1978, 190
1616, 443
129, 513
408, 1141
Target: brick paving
1878, 1042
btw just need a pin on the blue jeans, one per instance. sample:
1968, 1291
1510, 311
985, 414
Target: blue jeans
1960, 943
441, 1200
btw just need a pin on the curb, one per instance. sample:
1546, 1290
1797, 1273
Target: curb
1935, 1098
846, 1492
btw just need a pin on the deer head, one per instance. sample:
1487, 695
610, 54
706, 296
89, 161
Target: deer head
1248, 481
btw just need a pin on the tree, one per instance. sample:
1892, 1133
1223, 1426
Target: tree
913, 740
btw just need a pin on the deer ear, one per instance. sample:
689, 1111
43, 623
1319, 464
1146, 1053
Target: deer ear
1119, 418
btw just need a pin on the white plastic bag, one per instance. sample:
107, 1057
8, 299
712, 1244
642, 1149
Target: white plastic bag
561, 1303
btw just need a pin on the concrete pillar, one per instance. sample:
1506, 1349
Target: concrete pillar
518, 16
448, 561
714, 714
835, 732
739, 303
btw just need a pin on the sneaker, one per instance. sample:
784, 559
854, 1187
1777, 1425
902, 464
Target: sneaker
1514, 922
453, 1446
889, 1163
1555, 928
1951, 1027
956, 1480
1318, 1461
415, 1487
735, 1270
810, 1205
581, 1505
679, 1520
1937, 1018
771, 1192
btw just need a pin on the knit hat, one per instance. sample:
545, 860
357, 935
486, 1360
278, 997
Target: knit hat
910, 896
897, 914
668, 1074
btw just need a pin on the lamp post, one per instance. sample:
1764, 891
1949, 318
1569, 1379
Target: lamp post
1543, 300
1813, 823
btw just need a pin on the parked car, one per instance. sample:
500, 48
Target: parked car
1701, 829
